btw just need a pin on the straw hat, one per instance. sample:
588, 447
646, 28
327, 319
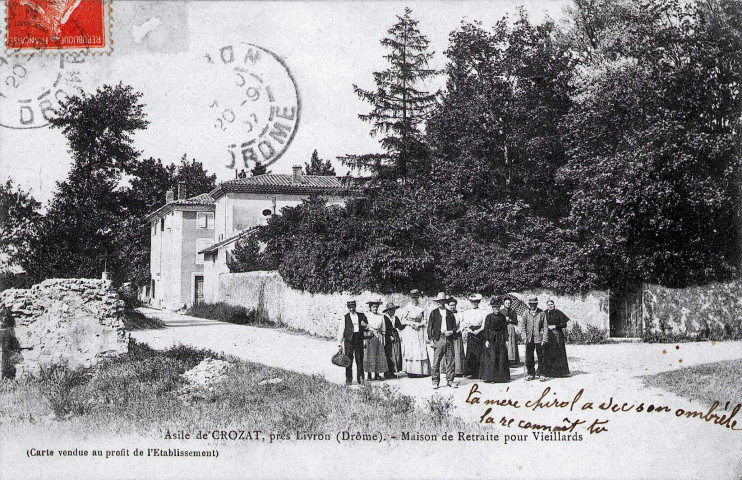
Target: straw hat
441, 297
475, 297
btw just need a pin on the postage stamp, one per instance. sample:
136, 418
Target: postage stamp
256, 104
58, 26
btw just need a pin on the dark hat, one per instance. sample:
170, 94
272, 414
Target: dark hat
389, 306
451, 299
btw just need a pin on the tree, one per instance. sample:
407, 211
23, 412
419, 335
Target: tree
496, 129
317, 166
19, 213
195, 178
653, 141
76, 236
246, 256
399, 107
259, 169
99, 128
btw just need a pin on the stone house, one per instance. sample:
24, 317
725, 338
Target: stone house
178, 230
245, 203
191, 238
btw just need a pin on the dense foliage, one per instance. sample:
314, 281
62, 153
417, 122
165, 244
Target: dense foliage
603, 152
95, 220
18, 214
246, 256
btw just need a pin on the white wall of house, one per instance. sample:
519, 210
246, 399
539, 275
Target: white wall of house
238, 211
174, 259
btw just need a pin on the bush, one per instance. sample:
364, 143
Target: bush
440, 408
10, 280
58, 390
667, 337
246, 256
591, 335
224, 312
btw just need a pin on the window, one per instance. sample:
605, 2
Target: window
201, 243
205, 220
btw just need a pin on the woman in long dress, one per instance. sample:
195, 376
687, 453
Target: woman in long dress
512, 319
458, 341
414, 349
494, 364
392, 344
553, 343
472, 328
374, 357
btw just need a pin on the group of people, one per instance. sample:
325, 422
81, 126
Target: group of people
473, 343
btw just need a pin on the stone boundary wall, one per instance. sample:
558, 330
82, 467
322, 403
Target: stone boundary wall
319, 313
692, 310
72, 322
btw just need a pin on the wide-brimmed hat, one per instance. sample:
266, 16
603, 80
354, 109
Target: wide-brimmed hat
414, 292
389, 306
375, 301
533, 299
475, 297
441, 297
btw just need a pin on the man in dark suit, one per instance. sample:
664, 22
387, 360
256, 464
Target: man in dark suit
441, 328
350, 338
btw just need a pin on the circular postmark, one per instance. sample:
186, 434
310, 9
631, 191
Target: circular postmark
32, 87
255, 104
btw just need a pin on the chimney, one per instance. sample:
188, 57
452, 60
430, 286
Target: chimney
169, 196
296, 177
181, 191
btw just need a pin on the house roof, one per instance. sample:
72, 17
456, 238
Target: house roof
281, 183
228, 240
199, 201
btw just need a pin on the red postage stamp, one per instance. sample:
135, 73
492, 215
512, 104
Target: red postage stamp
62, 25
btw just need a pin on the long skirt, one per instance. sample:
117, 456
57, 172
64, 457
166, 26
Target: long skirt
494, 364
374, 357
393, 351
414, 352
512, 345
555, 355
474, 344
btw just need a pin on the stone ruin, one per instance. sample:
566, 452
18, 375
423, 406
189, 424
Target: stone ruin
70, 322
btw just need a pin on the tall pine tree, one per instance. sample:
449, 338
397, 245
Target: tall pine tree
399, 106
317, 166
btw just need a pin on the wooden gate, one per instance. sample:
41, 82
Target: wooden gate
626, 312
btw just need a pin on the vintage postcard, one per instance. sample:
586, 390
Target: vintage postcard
370, 239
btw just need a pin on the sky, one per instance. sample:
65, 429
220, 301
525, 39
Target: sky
161, 48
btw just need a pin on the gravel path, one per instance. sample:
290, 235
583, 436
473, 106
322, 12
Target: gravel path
635, 445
